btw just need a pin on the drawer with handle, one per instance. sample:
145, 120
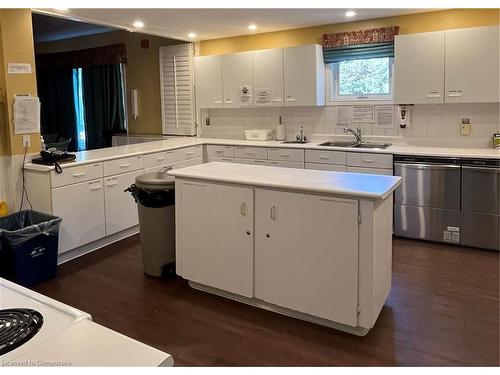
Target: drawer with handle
250, 152
124, 165
220, 151
368, 160
286, 154
327, 157
162, 158
73, 175
191, 152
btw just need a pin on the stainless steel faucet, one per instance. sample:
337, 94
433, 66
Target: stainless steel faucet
356, 133
301, 137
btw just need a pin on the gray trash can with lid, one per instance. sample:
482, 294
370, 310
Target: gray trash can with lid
155, 196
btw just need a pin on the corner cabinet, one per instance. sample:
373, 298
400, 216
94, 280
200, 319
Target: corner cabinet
453, 66
304, 76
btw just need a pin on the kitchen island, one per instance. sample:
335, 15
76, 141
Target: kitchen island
315, 245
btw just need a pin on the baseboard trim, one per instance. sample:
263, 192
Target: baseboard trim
358, 331
96, 245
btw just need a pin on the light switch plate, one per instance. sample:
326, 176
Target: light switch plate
26, 140
465, 126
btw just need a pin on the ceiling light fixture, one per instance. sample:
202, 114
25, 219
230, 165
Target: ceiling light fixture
252, 27
192, 35
138, 24
350, 13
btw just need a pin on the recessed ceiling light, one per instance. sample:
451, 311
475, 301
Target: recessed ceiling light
350, 13
192, 35
138, 24
252, 27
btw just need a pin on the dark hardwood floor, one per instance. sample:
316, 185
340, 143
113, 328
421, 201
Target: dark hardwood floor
443, 310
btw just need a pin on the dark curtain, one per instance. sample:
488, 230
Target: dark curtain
103, 103
57, 110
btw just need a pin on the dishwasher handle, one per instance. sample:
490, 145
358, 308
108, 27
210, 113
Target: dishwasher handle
428, 166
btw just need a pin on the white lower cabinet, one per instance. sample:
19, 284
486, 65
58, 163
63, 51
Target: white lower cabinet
120, 207
306, 253
82, 208
326, 167
215, 235
387, 172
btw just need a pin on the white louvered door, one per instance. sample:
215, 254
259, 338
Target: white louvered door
177, 89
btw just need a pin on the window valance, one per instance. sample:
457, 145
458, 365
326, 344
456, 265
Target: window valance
362, 44
85, 58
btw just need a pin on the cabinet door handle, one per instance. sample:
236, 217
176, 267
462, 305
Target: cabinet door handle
277, 100
324, 157
126, 165
285, 155
190, 153
217, 101
229, 101
368, 160
433, 94
273, 212
79, 174
99, 187
243, 209
455, 93
290, 99
249, 153
219, 151
161, 158
112, 183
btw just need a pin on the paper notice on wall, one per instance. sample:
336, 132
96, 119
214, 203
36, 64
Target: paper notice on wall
264, 96
26, 114
245, 94
19, 68
344, 116
384, 116
362, 113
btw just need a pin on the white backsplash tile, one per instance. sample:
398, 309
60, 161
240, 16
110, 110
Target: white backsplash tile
430, 121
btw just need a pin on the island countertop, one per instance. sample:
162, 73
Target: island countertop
308, 180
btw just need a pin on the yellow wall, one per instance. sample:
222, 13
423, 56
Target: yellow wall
16, 46
142, 71
413, 23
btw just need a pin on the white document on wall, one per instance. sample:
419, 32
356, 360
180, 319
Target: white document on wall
245, 94
362, 113
264, 96
26, 114
384, 116
344, 116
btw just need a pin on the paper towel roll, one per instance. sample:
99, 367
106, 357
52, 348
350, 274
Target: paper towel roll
280, 132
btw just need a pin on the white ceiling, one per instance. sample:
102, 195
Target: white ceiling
219, 23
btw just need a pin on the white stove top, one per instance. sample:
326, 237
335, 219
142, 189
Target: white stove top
57, 317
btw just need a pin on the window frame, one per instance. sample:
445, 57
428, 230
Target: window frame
332, 87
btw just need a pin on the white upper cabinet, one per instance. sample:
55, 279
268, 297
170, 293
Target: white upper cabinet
237, 72
472, 65
208, 81
419, 68
454, 66
268, 74
304, 76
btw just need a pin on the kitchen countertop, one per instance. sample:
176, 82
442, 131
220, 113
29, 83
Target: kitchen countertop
110, 153
314, 181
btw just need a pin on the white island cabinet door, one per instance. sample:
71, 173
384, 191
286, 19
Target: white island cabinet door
81, 207
121, 209
215, 235
472, 65
306, 253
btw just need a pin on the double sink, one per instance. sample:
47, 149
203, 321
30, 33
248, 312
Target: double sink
369, 145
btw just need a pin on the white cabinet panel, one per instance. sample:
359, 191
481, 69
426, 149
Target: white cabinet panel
327, 157
120, 207
124, 165
419, 68
73, 175
369, 160
326, 167
286, 164
220, 151
81, 207
286, 154
215, 235
250, 152
237, 71
268, 73
208, 82
304, 76
306, 253
472, 65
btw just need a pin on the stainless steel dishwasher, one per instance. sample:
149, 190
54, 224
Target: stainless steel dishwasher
480, 215
427, 204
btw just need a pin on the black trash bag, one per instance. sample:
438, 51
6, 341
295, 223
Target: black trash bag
152, 198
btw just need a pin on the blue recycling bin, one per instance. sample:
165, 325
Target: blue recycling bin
28, 247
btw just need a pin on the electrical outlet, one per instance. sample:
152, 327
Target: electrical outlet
207, 121
26, 141
465, 126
